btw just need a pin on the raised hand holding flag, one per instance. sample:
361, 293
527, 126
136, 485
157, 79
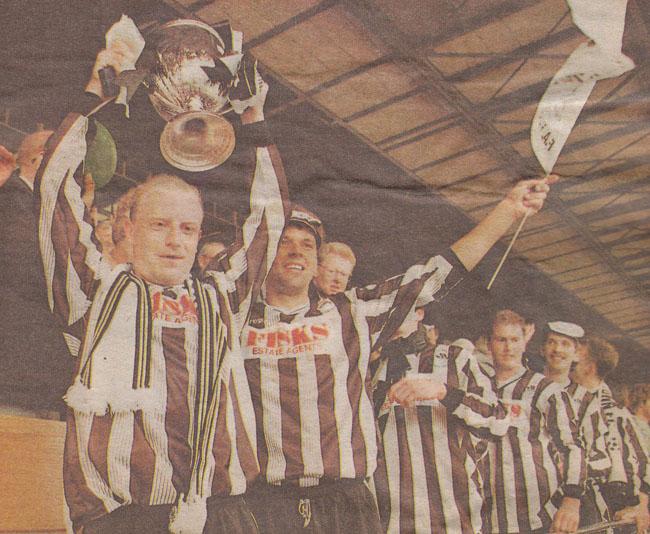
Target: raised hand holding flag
603, 21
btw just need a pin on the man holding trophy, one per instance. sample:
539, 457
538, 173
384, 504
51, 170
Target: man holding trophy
168, 408
159, 372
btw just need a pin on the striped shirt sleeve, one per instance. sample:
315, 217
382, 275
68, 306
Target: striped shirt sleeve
473, 400
71, 260
592, 430
562, 427
240, 272
386, 304
635, 456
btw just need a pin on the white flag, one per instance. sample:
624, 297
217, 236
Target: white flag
603, 22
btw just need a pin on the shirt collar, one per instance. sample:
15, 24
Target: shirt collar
26, 182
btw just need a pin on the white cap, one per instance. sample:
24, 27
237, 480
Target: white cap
566, 329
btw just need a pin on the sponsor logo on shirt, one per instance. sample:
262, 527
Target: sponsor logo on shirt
287, 341
173, 310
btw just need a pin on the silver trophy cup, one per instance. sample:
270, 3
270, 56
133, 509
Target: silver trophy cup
196, 68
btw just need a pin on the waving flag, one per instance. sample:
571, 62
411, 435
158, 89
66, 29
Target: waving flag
603, 21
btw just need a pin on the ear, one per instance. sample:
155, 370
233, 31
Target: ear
529, 331
128, 228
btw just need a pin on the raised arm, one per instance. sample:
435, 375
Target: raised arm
527, 197
71, 260
386, 304
240, 273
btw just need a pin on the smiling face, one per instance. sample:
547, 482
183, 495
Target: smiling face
507, 344
559, 352
166, 228
295, 263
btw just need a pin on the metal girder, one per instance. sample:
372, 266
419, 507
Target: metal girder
527, 50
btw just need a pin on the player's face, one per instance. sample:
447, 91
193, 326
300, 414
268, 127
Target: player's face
559, 352
166, 232
333, 274
295, 263
507, 345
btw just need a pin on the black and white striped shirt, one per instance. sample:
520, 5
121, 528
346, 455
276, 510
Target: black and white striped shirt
527, 480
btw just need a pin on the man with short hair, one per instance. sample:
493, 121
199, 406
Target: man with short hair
307, 358
559, 350
532, 490
160, 409
35, 366
431, 450
336, 262
628, 485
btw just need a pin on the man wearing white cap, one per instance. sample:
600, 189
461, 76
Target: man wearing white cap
561, 344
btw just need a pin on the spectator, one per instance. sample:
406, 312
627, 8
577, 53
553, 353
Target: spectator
35, 366
336, 262
209, 250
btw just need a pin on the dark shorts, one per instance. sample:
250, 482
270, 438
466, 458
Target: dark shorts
226, 515
345, 506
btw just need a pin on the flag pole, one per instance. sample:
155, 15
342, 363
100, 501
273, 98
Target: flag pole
505, 254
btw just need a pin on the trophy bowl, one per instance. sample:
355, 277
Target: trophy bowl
189, 87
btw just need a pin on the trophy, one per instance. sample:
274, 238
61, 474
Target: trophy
195, 73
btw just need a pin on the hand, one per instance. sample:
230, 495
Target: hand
567, 517
7, 164
640, 515
254, 112
408, 326
528, 196
122, 55
416, 388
